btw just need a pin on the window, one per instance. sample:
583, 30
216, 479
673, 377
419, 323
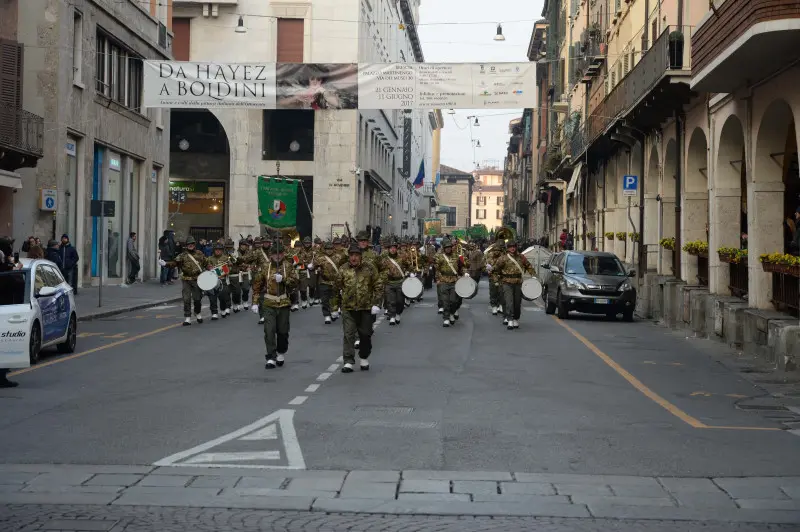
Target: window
14, 288
594, 265
480, 214
481, 200
289, 135
451, 217
499, 214
119, 73
290, 40
654, 30
181, 43
77, 46
52, 276
499, 200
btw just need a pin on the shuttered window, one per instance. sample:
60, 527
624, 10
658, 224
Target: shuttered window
10, 89
181, 42
290, 40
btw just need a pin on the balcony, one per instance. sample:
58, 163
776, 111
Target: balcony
21, 138
593, 56
743, 42
650, 93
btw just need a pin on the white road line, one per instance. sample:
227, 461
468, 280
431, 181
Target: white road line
333, 367
299, 400
207, 458
312, 388
270, 432
340, 360
324, 376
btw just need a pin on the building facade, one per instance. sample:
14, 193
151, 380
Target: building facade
83, 74
455, 192
697, 103
488, 198
352, 164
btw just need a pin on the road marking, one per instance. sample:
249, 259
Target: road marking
94, 350
118, 335
290, 452
340, 360
312, 388
704, 394
270, 432
89, 335
299, 400
324, 376
160, 307
647, 392
333, 367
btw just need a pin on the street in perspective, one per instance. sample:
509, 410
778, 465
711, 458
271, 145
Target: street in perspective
396, 265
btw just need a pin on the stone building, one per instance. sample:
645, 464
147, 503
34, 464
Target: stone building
455, 193
350, 163
83, 74
488, 198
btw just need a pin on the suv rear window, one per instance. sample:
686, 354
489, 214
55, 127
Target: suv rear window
14, 288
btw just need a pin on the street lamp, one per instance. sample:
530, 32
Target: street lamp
240, 26
499, 36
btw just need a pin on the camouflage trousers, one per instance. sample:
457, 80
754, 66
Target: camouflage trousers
240, 290
448, 299
276, 330
495, 292
357, 325
512, 301
219, 298
394, 298
191, 293
326, 295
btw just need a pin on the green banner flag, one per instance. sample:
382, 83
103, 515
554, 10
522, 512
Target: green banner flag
277, 202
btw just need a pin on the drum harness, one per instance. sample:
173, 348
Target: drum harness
521, 271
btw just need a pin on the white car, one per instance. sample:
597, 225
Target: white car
37, 310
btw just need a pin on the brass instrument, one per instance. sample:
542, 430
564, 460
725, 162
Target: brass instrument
504, 233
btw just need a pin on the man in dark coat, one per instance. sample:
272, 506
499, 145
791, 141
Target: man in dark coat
69, 262
53, 254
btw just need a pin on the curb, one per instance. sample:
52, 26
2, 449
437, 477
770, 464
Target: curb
116, 311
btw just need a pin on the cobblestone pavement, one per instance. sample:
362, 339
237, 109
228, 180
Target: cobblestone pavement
64, 518
412, 492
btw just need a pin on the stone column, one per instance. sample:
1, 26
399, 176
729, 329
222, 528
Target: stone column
765, 235
724, 232
694, 216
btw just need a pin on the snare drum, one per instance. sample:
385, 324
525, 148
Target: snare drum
531, 289
466, 287
412, 288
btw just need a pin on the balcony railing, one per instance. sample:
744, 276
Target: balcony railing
21, 131
669, 55
428, 189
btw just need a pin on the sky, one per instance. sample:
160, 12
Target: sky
473, 43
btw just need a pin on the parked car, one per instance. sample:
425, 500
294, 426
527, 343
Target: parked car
588, 281
37, 310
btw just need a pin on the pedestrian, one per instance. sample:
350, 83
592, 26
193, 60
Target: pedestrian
192, 263
361, 288
166, 250
275, 283
35, 252
69, 262
53, 254
510, 268
134, 265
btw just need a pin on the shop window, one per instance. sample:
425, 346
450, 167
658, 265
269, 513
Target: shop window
288, 135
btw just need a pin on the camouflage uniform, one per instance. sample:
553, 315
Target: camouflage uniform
305, 257
495, 289
259, 260
221, 295
369, 256
327, 270
449, 267
510, 274
362, 289
190, 269
275, 303
240, 276
393, 270
476, 262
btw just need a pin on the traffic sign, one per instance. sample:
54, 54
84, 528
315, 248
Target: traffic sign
630, 185
48, 199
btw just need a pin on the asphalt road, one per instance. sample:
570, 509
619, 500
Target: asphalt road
584, 396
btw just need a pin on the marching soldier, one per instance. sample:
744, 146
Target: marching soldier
327, 270
219, 297
361, 287
509, 267
449, 267
192, 262
305, 262
275, 283
316, 250
495, 289
260, 261
476, 262
394, 270
240, 276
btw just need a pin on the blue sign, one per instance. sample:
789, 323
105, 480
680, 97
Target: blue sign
49, 203
630, 185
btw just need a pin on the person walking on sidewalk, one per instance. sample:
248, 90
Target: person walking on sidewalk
134, 265
69, 262
361, 288
275, 282
192, 263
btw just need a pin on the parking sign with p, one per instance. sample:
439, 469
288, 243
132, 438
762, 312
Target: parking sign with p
630, 185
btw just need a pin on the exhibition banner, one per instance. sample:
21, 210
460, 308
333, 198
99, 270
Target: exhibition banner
333, 86
277, 202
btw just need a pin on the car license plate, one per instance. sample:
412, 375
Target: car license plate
601, 301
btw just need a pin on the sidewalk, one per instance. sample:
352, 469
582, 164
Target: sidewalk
455, 493
119, 299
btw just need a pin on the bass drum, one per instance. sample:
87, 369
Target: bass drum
412, 288
531, 289
466, 287
208, 281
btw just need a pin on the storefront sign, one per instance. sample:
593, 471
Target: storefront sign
70, 149
200, 187
114, 164
48, 199
340, 85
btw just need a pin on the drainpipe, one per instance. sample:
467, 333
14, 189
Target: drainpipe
646, 31
678, 178
642, 249
680, 15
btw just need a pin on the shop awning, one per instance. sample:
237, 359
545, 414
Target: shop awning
10, 179
576, 175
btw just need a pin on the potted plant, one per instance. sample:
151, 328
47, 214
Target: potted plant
609, 236
591, 234
782, 263
697, 247
635, 237
732, 255
622, 235
676, 50
667, 243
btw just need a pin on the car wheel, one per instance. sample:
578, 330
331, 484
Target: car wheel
68, 346
628, 315
35, 344
549, 306
561, 308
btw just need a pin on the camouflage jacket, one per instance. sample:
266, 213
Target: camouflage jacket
306, 256
370, 256
389, 271
276, 295
491, 258
190, 269
508, 272
257, 259
361, 288
445, 264
327, 268
213, 262
241, 262
476, 260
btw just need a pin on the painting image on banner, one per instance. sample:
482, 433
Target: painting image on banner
317, 86
277, 202
208, 85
